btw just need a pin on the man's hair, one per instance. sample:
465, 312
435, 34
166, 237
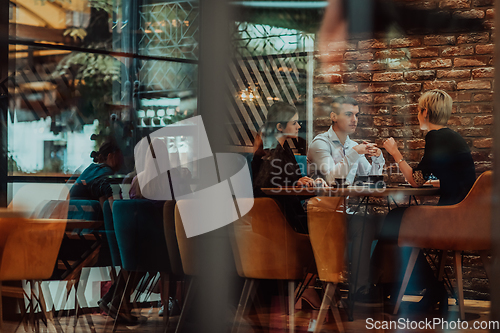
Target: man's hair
338, 101
438, 104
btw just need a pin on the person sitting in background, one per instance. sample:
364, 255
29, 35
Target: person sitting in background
447, 157
334, 155
276, 165
94, 184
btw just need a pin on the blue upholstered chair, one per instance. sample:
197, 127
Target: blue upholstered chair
138, 226
110, 234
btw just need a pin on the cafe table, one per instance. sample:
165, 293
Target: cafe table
364, 192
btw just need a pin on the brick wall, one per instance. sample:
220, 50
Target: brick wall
387, 75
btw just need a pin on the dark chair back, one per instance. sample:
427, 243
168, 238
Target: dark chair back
139, 232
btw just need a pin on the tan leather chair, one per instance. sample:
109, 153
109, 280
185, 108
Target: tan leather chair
266, 247
462, 227
29, 249
327, 231
187, 251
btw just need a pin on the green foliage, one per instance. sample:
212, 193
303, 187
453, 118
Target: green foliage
105, 5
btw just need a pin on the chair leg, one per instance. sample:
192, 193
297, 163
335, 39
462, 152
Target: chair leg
486, 262
406, 279
335, 310
458, 269
121, 300
291, 305
188, 299
243, 303
330, 290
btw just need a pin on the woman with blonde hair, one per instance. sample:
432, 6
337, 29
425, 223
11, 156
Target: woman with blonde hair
448, 158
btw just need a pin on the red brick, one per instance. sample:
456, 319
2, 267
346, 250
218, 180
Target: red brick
485, 49
411, 120
475, 108
374, 110
424, 52
453, 74
389, 99
356, 77
437, 63
470, 61
489, 25
439, 40
480, 155
402, 64
483, 120
322, 122
348, 67
473, 84
483, 72
419, 75
372, 44
329, 78
458, 51
374, 88
364, 98
443, 85
366, 132
470, 14
329, 69
331, 57
454, 4
413, 98
484, 97
387, 121
460, 96
490, 13
388, 76
365, 121
414, 155
400, 133
346, 88
459, 121
474, 37
405, 42
483, 143
474, 131
358, 55
390, 54
372, 66
425, 5
405, 109
406, 87
481, 3
416, 144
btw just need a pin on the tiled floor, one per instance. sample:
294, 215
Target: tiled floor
365, 316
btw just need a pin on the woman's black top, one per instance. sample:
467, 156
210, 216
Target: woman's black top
447, 156
278, 168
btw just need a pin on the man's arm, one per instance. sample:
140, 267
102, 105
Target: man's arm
321, 161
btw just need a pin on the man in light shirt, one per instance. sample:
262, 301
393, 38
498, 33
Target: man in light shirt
334, 155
